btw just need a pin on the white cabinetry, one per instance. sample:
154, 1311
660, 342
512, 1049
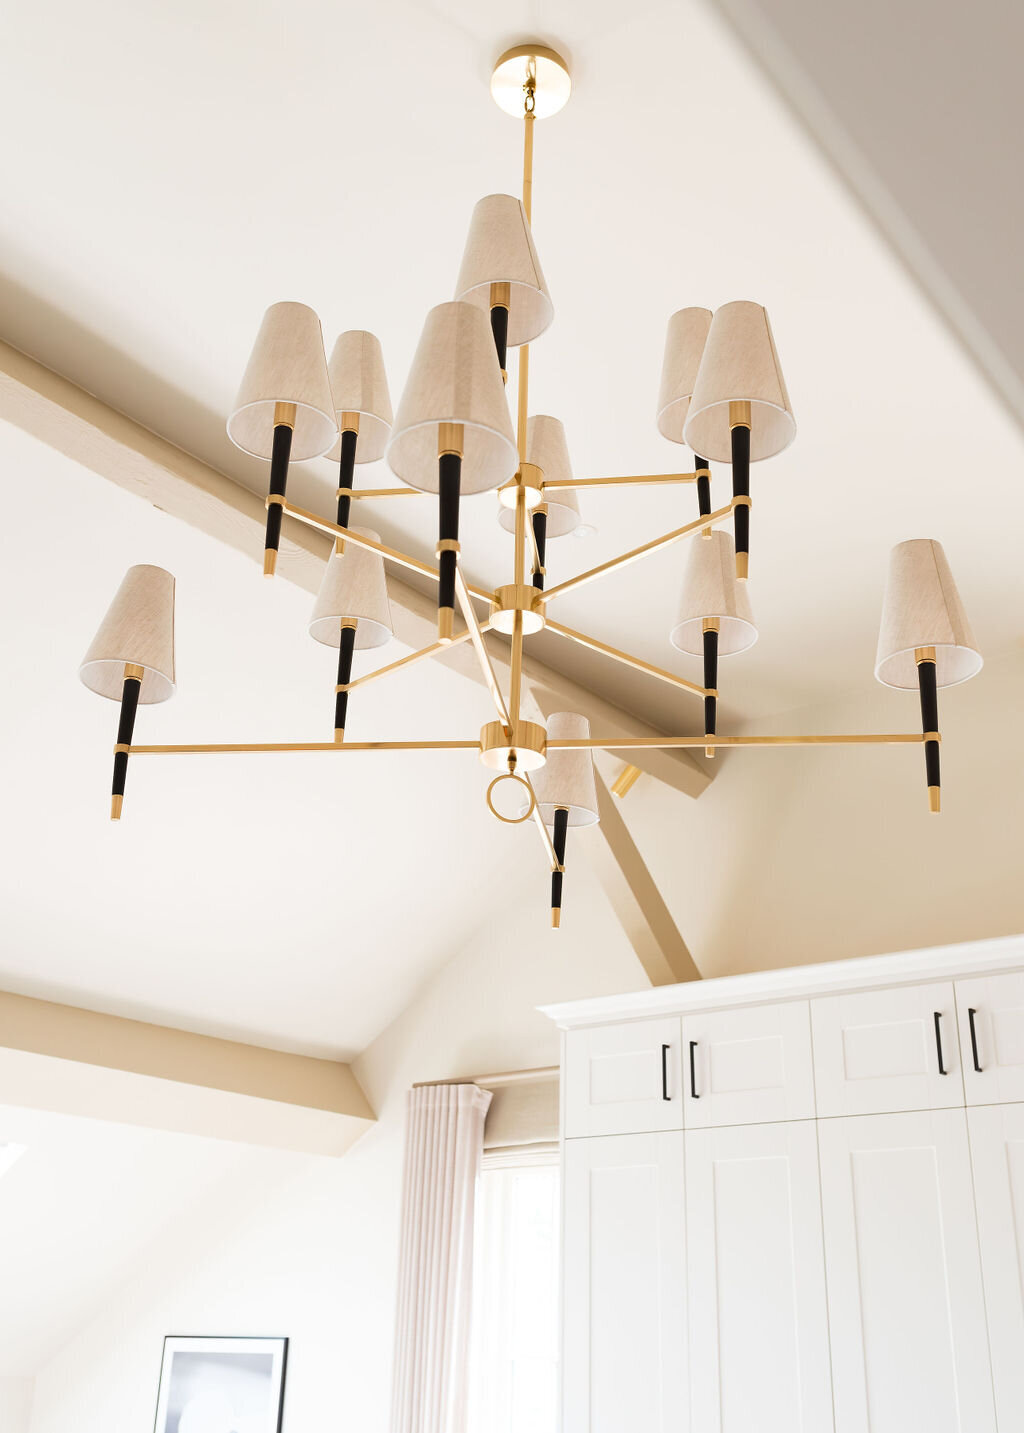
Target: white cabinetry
759, 1355
907, 1311
991, 1016
623, 1079
997, 1154
846, 1163
748, 1066
882, 1050
624, 1285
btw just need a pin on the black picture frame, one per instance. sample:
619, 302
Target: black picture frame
198, 1374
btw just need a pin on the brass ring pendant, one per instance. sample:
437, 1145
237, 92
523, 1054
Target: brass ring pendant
511, 820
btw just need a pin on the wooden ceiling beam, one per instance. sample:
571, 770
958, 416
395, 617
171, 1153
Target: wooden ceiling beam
80, 1062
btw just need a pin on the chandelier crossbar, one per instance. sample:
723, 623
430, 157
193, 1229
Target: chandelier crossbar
699, 524
593, 743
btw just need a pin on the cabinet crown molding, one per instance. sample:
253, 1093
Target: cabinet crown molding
799, 982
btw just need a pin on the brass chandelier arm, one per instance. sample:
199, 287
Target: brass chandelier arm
389, 493
699, 524
390, 554
435, 649
644, 480
477, 638
636, 662
637, 743
545, 834
250, 747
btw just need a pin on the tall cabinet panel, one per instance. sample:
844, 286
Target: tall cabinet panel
881, 1050
748, 1066
991, 1013
624, 1353
907, 1315
623, 1079
997, 1153
759, 1355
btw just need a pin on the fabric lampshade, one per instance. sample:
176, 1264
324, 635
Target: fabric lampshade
454, 378
500, 249
567, 777
360, 385
739, 365
546, 448
353, 589
287, 365
138, 630
710, 590
922, 608
684, 345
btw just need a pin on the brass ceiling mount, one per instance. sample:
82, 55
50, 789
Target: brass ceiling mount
533, 79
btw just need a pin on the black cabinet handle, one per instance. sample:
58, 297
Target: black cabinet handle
938, 1042
974, 1039
664, 1072
693, 1071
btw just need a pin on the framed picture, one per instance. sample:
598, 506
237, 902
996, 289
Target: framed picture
221, 1385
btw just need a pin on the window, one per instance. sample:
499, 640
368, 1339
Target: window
514, 1356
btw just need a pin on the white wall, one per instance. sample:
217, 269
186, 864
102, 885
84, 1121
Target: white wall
315, 1258
16, 1405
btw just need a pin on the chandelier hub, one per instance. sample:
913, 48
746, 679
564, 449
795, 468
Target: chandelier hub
536, 68
529, 746
517, 597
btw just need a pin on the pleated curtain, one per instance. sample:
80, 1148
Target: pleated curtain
443, 1146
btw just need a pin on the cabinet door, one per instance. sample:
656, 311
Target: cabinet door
624, 1285
906, 1308
623, 1079
997, 1002
997, 1154
759, 1354
883, 1050
748, 1066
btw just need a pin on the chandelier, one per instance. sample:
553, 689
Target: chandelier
722, 394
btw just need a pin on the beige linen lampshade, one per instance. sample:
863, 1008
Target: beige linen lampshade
922, 608
567, 777
739, 365
547, 450
710, 590
500, 249
353, 589
138, 630
684, 345
287, 365
454, 378
360, 385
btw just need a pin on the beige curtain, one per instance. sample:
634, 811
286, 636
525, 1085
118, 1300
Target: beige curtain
443, 1145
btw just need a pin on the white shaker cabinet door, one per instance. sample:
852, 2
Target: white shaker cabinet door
991, 1015
623, 1079
878, 1051
997, 1154
624, 1286
748, 1066
906, 1305
759, 1353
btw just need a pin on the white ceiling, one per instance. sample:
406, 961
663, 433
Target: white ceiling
227, 873
191, 165
88, 1201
